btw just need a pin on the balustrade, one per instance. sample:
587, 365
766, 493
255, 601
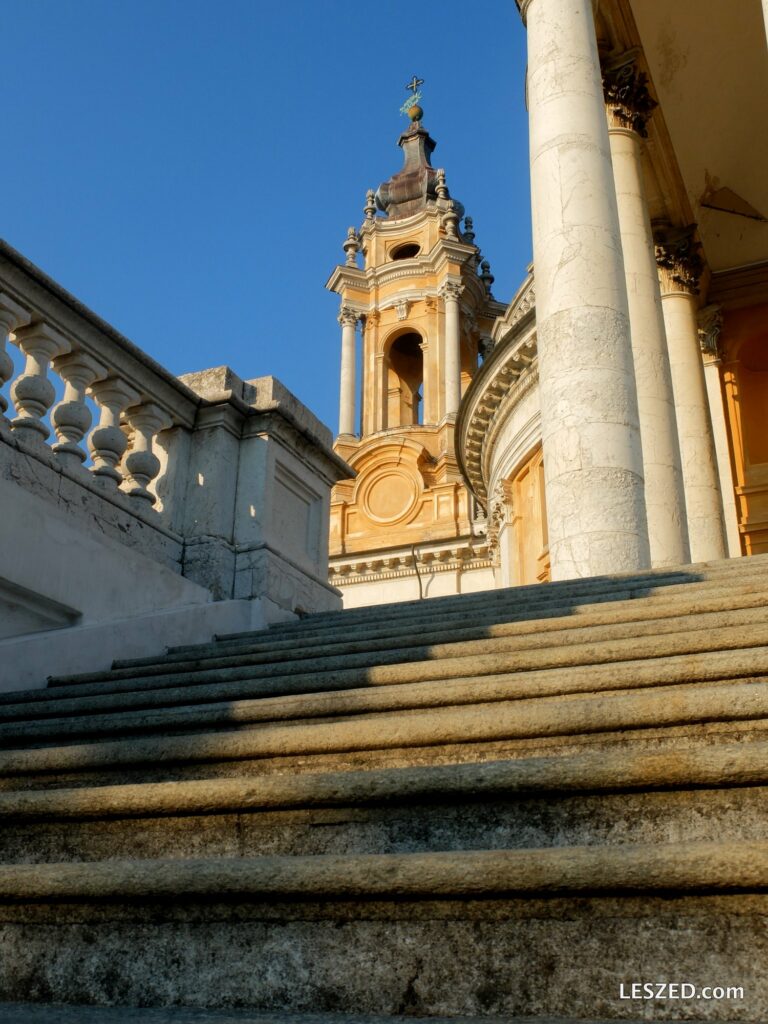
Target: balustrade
117, 453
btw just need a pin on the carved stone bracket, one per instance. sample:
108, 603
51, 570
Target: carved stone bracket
627, 98
679, 259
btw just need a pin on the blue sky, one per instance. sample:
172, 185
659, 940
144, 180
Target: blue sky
189, 169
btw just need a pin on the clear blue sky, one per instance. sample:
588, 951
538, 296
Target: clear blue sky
189, 168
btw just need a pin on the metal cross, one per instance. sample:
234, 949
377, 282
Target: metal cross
414, 84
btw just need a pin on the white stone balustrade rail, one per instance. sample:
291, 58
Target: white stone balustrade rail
135, 397
129, 493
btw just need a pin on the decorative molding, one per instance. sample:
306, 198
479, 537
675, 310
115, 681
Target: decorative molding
678, 255
402, 306
629, 103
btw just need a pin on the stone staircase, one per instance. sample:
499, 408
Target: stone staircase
501, 806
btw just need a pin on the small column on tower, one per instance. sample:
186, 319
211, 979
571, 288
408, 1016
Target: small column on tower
348, 319
450, 292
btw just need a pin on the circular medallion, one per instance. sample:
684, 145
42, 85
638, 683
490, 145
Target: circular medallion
390, 496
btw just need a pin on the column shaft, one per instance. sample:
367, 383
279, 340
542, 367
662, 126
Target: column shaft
348, 320
680, 267
664, 495
450, 293
590, 430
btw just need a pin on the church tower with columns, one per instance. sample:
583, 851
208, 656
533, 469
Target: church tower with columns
416, 317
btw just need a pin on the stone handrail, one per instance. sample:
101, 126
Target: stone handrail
136, 398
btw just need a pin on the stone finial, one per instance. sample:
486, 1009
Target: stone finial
679, 258
486, 276
351, 247
627, 98
469, 232
441, 188
451, 220
370, 205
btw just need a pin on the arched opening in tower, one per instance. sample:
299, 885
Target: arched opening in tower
405, 381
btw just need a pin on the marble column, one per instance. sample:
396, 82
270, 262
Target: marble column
450, 292
710, 320
348, 319
680, 267
629, 106
590, 430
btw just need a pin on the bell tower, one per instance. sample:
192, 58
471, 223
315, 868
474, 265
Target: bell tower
416, 312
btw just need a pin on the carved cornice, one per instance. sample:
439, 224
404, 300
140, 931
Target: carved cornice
678, 255
628, 101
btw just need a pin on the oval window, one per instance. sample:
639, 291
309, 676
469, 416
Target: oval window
405, 251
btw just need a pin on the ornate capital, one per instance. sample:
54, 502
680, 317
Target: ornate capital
710, 326
348, 316
629, 103
679, 259
450, 290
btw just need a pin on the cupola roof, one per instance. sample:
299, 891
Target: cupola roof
409, 191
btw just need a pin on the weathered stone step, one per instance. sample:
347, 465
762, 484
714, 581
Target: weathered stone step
703, 763
220, 655
657, 706
198, 702
704, 867
310, 634
461, 807
629, 622
726, 572
60, 1013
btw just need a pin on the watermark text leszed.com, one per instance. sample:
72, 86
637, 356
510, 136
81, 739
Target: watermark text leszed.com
678, 990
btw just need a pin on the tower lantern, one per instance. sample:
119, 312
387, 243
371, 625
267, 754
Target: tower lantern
421, 308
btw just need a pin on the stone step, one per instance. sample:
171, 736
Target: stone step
236, 695
571, 800
718, 703
310, 633
698, 867
438, 933
724, 571
146, 690
60, 1013
616, 612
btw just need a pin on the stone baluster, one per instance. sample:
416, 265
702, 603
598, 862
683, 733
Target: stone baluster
107, 443
32, 392
629, 106
12, 316
589, 419
141, 464
680, 268
71, 418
